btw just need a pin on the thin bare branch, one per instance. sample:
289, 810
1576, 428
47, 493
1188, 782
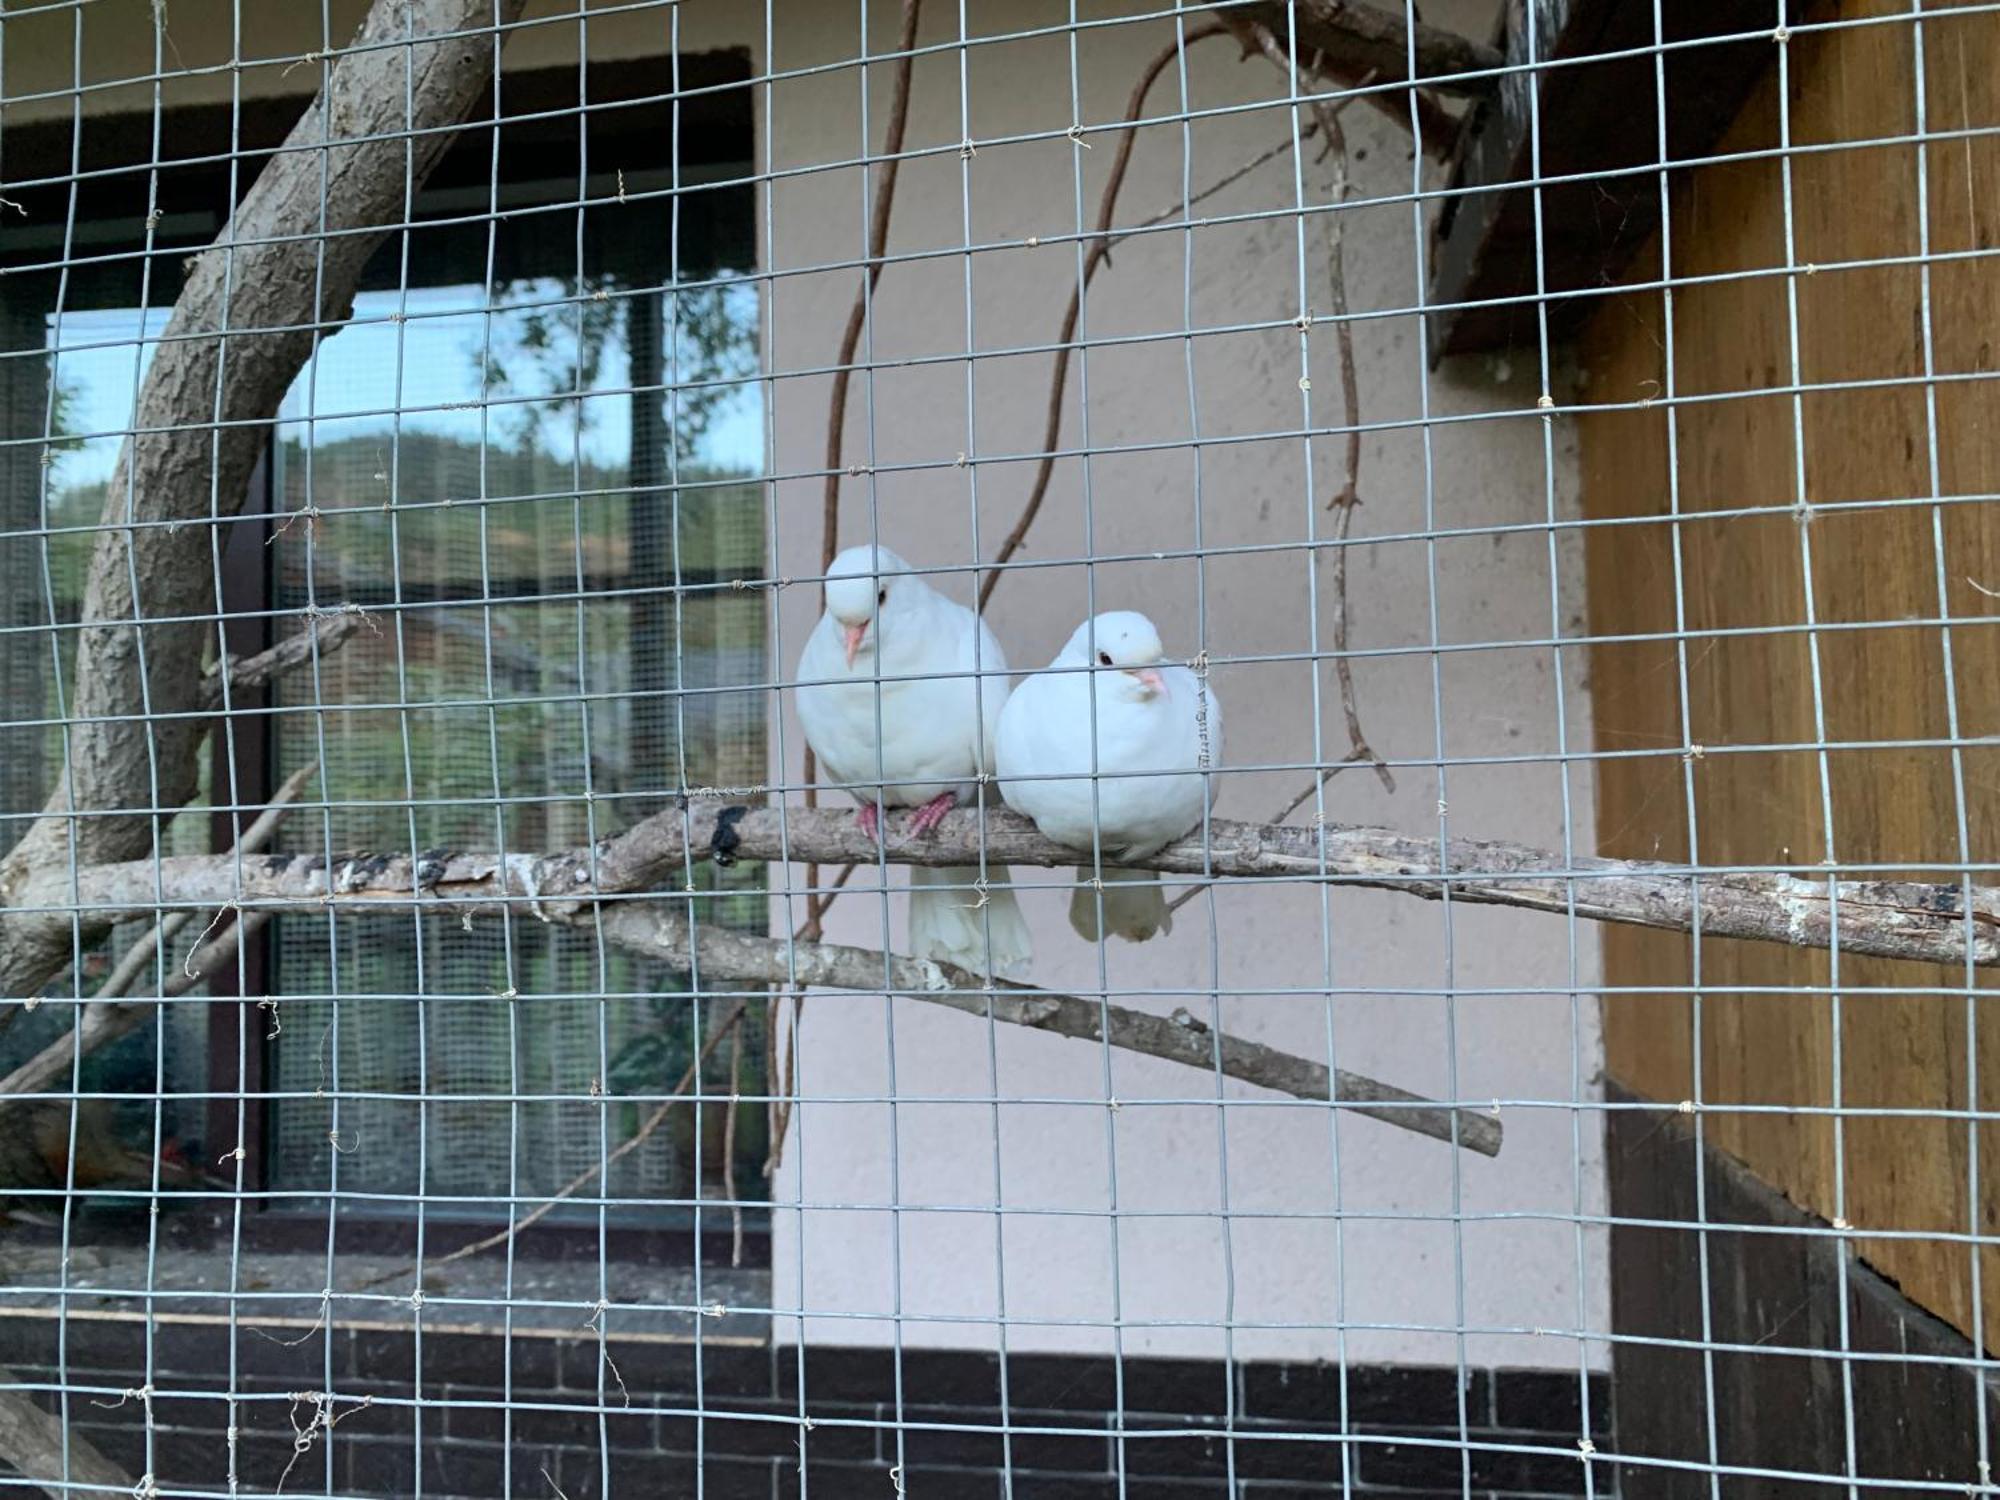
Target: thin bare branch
1348, 499
1234, 175
714, 953
1352, 45
105, 1021
1883, 918
778, 1083
1350, 387
1326, 122
729, 1139
45, 1450
809, 931
1355, 39
1095, 256
324, 636
254, 838
857, 315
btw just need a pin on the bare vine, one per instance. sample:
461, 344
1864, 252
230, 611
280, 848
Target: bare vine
1097, 255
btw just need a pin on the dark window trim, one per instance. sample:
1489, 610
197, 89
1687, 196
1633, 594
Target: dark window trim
629, 98
236, 1043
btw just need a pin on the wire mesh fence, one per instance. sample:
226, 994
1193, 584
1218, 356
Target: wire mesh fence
622, 871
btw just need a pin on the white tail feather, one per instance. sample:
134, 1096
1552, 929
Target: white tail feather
952, 926
1133, 912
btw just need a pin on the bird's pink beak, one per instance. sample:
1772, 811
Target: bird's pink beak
854, 634
1149, 678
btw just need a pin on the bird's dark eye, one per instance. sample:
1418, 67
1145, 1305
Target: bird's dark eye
1104, 658
882, 597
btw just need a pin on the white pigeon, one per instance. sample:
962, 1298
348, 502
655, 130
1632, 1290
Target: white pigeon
936, 723
1151, 718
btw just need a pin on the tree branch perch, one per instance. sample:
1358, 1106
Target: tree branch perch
1916, 920
324, 635
1358, 39
245, 323
1354, 45
107, 1017
718, 953
36, 1442
1894, 919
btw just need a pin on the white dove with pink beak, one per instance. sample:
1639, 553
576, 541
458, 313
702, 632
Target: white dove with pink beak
1140, 783
900, 690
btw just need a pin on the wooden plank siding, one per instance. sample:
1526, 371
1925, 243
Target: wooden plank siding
1877, 568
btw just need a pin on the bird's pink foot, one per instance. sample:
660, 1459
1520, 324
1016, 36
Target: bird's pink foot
867, 818
932, 813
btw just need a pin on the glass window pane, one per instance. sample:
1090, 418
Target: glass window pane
539, 493
534, 495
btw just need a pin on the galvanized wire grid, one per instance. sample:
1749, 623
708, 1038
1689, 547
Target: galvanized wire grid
588, 981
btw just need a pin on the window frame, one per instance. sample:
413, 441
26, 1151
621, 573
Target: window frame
717, 126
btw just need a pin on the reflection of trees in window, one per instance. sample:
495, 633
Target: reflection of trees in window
558, 643
560, 463
24, 405
550, 354
32, 402
61, 379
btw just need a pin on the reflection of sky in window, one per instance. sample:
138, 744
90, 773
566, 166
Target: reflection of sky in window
425, 362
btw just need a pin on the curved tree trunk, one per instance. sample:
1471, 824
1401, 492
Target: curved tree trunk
288, 259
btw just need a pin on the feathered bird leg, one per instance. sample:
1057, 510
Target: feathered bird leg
932, 813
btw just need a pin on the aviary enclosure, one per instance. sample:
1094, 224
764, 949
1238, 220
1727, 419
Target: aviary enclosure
924, 748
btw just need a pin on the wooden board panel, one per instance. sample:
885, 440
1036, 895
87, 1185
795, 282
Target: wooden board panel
1872, 678
1770, 1294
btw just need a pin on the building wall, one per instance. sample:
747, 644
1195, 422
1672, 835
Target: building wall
1776, 1026
1774, 1306
1178, 1262
1248, 1214
540, 1414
